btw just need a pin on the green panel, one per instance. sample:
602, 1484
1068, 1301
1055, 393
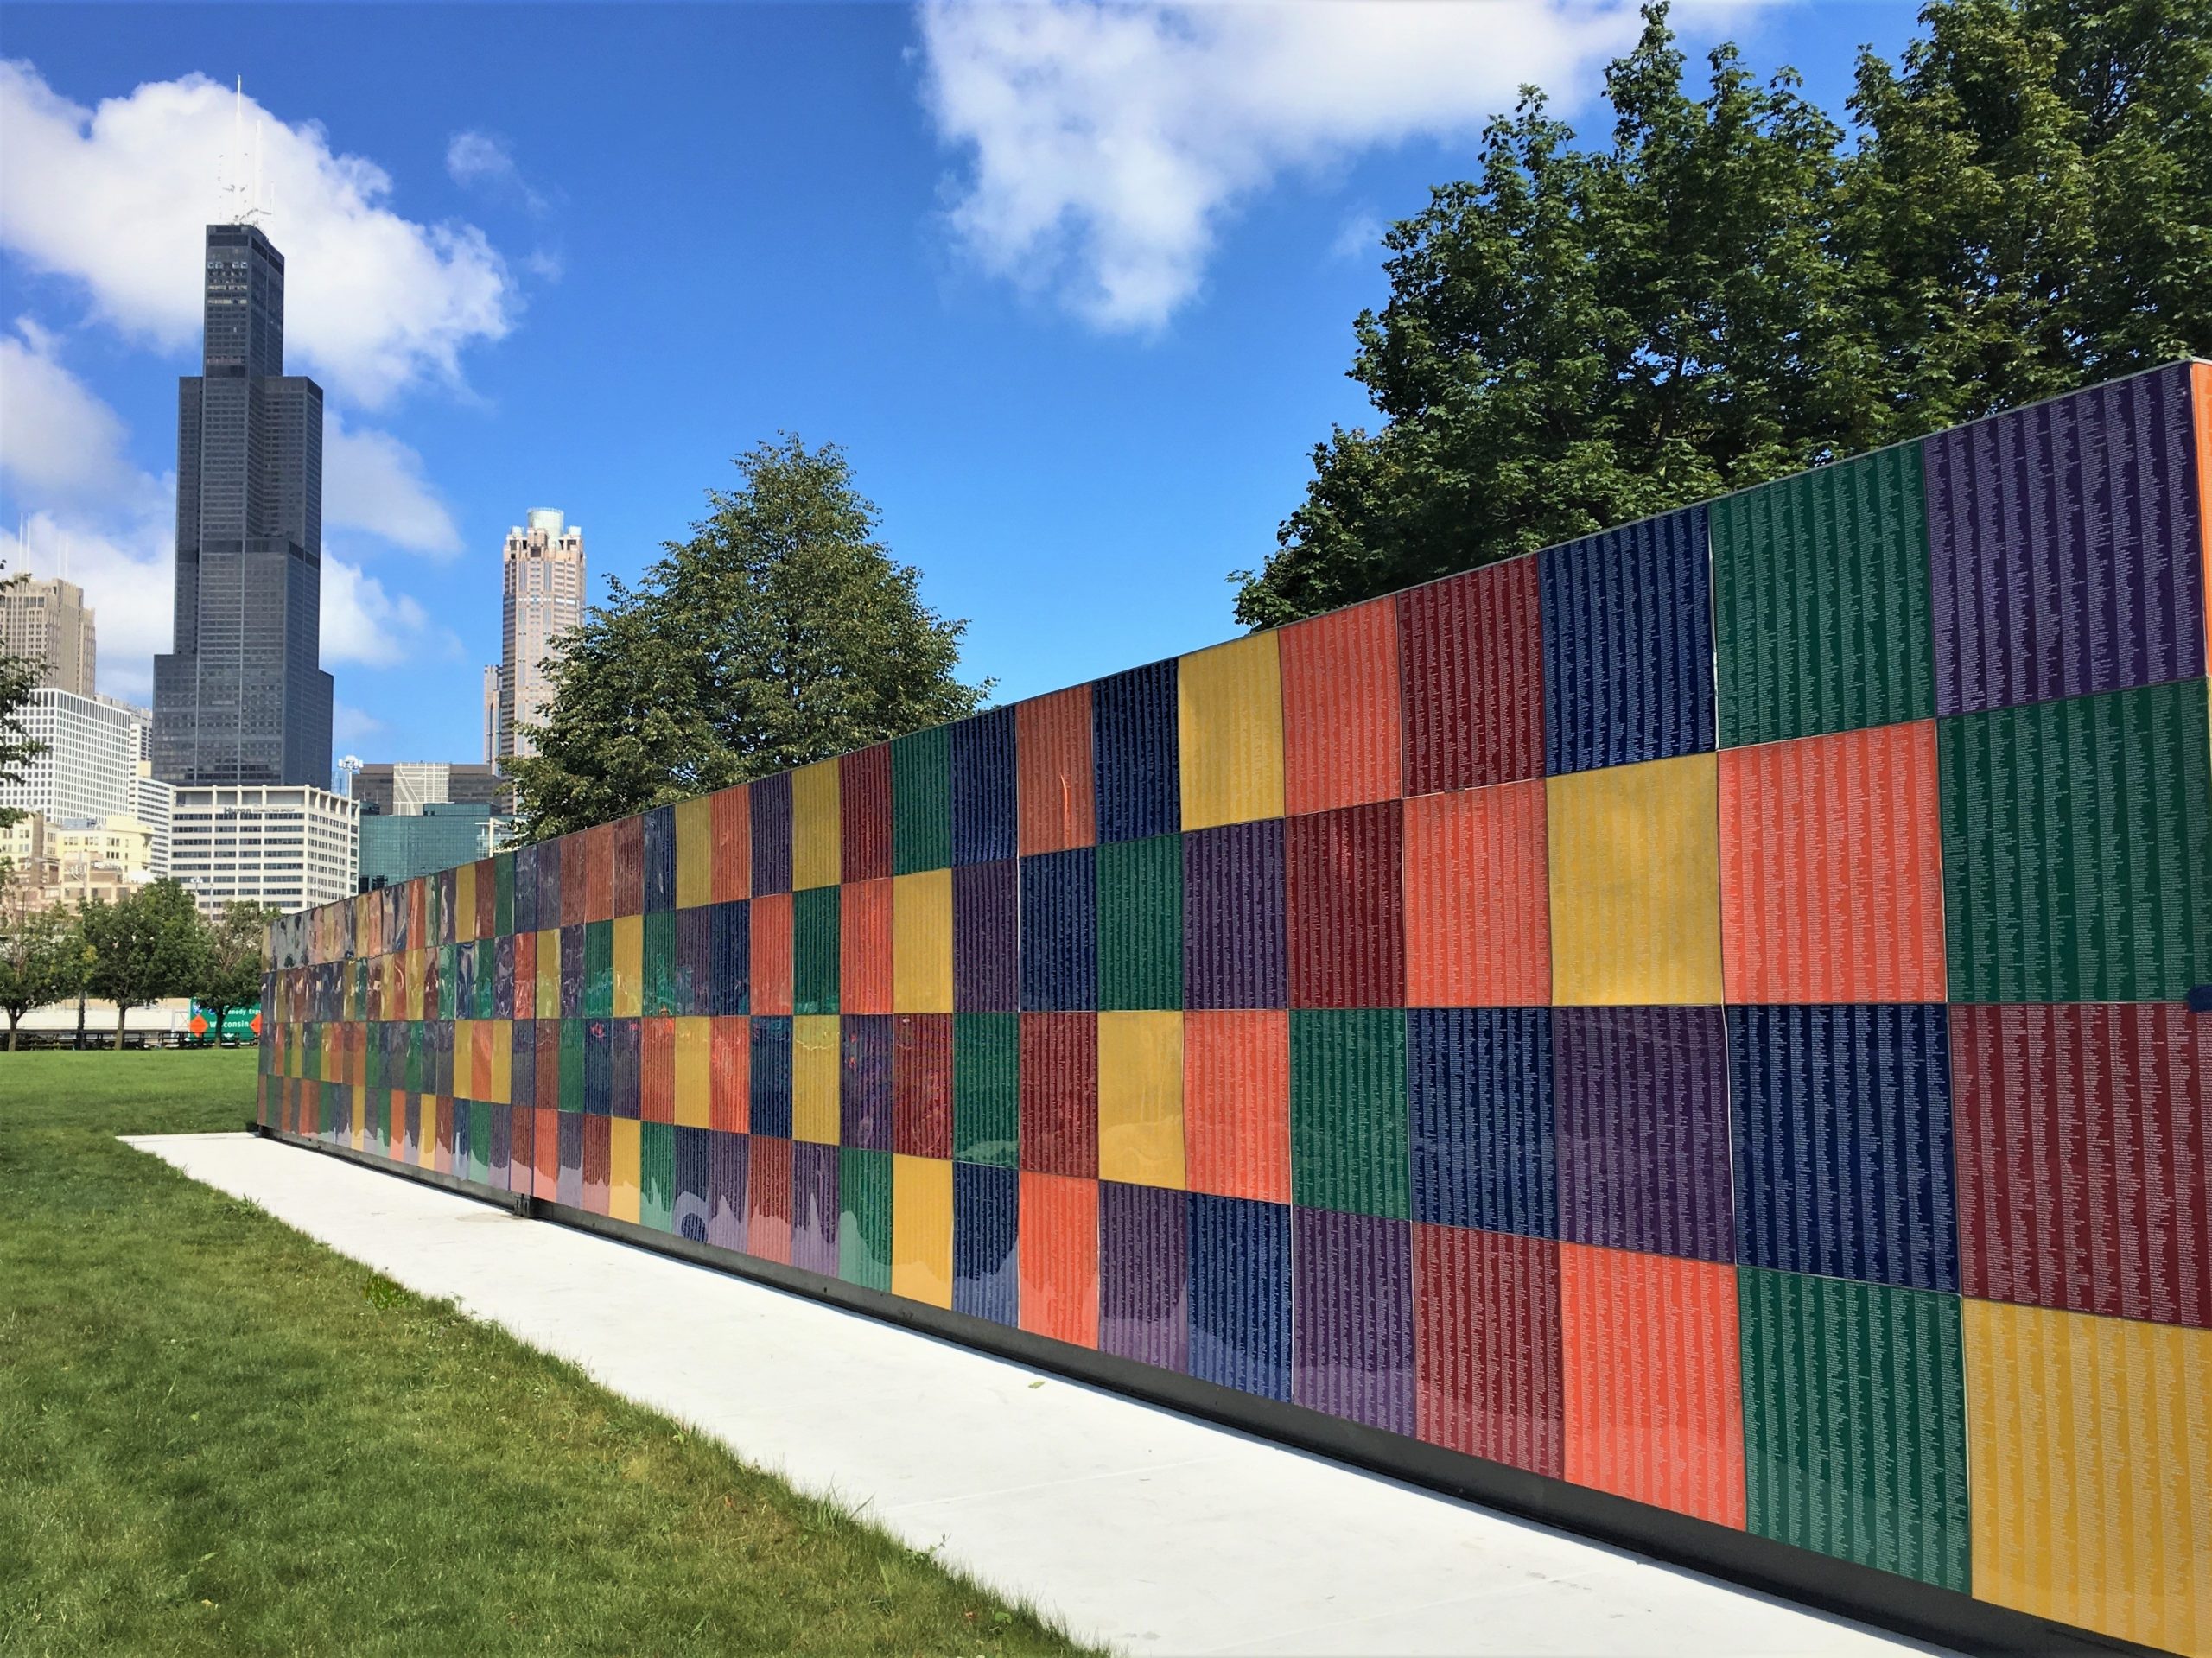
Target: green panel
2077, 848
1140, 924
379, 1116
449, 979
864, 1220
814, 951
1821, 593
479, 1140
985, 1087
1854, 1422
1347, 1109
598, 969
361, 989
503, 894
418, 1066
660, 998
921, 800
571, 1079
657, 1176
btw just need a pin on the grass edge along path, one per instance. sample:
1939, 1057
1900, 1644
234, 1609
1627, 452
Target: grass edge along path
219, 1436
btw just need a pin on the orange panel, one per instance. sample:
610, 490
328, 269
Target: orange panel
1342, 742
1056, 791
864, 947
548, 1146
1831, 868
1655, 1409
772, 954
1237, 1102
1059, 1249
599, 873
656, 1070
729, 1046
732, 811
1477, 907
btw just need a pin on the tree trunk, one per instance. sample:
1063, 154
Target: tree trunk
81, 1019
122, 1013
15, 1020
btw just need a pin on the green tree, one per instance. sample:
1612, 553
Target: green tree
231, 976
41, 954
18, 678
145, 945
781, 631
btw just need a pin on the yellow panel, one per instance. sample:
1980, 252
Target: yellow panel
693, 1080
695, 853
1141, 1098
426, 1127
360, 1120
464, 1060
921, 1229
921, 943
622, 1168
549, 973
503, 1064
418, 972
1230, 705
814, 1078
814, 825
2090, 1456
1636, 884
629, 966
464, 904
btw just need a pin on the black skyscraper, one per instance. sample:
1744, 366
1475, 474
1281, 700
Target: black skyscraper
242, 698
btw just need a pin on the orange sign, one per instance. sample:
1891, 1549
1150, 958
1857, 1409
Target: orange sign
200, 1024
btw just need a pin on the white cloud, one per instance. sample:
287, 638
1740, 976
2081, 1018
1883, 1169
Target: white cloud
372, 481
1359, 236
125, 570
362, 623
116, 198
56, 437
486, 162
1107, 142
350, 725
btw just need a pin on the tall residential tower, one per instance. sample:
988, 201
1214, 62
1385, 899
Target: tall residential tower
543, 599
48, 622
241, 698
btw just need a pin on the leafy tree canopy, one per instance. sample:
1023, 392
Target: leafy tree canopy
231, 972
41, 954
1728, 291
146, 944
783, 630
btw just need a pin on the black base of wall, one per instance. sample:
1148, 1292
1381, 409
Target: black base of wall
1905, 1605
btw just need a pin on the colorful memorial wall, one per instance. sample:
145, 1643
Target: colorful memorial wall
1699, 1013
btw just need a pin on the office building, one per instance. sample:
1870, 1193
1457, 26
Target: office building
443, 834
89, 759
48, 624
152, 803
543, 586
241, 697
404, 788
491, 714
289, 846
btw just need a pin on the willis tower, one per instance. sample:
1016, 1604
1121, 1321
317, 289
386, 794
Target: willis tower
242, 698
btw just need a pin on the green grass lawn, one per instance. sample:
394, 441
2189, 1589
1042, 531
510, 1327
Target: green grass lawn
217, 1436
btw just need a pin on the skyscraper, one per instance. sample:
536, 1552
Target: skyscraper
48, 622
241, 698
543, 599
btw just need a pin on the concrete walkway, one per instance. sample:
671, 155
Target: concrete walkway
1137, 1527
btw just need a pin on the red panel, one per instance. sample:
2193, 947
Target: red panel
1478, 906
598, 1154
629, 835
864, 947
418, 923
768, 1198
1487, 1346
1237, 1102
921, 1085
525, 977
1650, 1357
1831, 868
1344, 875
598, 874
770, 919
576, 877
2084, 1136
1471, 672
1059, 1252
729, 1082
864, 815
480, 1033
549, 1153
656, 1070
1056, 789
731, 815
1059, 1093
1343, 739
487, 897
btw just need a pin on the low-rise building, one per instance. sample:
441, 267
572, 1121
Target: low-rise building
287, 845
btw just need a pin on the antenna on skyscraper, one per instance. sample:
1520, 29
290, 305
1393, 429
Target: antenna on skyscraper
245, 198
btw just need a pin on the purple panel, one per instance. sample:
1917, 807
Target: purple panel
814, 1207
1233, 952
726, 1171
1643, 1125
770, 802
694, 1160
867, 1042
1144, 1275
569, 1185
2063, 541
625, 1039
986, 959
1352, 1318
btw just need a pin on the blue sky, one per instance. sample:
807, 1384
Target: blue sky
1074, 286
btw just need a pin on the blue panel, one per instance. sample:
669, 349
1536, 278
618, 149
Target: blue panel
1059, 933
731, 978
572, 971
599, 1067
694, 960
522, 1062
1478, 1085
660, 859
525, 892
770, 1099
464, 984
984, 821
1843, 1141
499, 1155
770, 799
1239, 1293
985, 1271
549, 882
693, 1154
1628, 645
1136, 753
